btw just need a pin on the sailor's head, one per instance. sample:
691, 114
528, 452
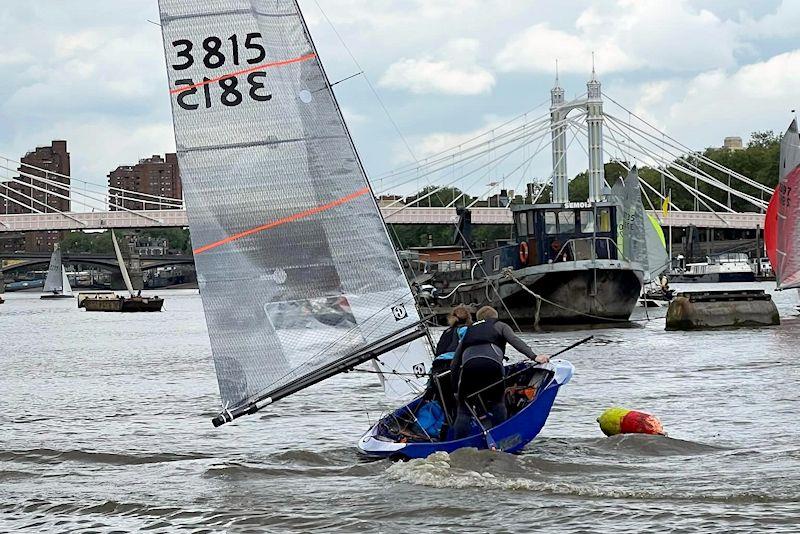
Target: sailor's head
487, 312
460, 316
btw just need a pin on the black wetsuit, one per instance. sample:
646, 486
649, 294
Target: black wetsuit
449, 340
478, 363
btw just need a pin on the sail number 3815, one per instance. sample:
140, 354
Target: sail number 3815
216, 53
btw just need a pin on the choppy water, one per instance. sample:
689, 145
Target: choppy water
104, 426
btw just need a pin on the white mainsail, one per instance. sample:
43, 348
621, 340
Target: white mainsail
66, 289
123, 269
293, 260
787, 270
53, 282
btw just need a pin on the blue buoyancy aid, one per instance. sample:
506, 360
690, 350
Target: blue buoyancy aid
453, 346
430, 417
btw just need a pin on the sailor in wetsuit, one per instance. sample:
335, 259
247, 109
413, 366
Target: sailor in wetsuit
459, 319
478, 363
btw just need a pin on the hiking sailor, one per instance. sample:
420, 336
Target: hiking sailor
459, 319
478, 363
441, 386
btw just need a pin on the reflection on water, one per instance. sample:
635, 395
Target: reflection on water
105, 426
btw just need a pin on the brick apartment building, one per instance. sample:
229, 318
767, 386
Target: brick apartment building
156, 176
26, 194
46, 197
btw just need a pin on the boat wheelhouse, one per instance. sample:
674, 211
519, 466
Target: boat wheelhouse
563, 265
550, 233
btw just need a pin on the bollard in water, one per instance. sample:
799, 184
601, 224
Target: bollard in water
698, 310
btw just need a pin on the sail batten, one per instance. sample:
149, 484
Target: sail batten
276, 197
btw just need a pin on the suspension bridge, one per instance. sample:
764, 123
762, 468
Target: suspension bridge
503, 156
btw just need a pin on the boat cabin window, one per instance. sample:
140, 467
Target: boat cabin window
521, 223
531, 224
566, 222
550, 224
587, 222
604, 220
496, 262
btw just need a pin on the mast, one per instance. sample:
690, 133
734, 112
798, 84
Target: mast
668, 200
122, 268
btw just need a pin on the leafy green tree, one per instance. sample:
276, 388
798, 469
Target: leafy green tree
100, 242
440, 198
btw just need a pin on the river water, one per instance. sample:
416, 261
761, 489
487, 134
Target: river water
104, 427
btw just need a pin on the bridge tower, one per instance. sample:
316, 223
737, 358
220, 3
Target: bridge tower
594, 123
558, 132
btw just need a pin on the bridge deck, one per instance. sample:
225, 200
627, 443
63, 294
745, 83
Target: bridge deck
395, 215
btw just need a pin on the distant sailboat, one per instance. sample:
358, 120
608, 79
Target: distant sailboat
56, 285
782, 225
297, 273
116, 303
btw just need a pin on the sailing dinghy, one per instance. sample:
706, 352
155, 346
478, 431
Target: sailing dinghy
298, 276
56, 285
782, 224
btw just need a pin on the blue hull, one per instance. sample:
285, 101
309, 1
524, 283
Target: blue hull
510, 436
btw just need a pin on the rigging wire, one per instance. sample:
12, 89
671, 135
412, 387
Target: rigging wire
488, 280
366, 78
409, 167
466, 154
462, 162
522, 136
628, 168
680, 146
686, 166
696, 193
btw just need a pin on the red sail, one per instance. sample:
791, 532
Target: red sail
788, 246
787, 242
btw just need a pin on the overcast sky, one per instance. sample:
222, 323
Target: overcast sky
92, 71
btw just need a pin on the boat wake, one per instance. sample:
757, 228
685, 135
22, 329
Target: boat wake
241, 471
438, 471
457, 471
52, 456
10, 474
625, 444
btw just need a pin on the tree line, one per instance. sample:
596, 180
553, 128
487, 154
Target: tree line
758, 160
78, 242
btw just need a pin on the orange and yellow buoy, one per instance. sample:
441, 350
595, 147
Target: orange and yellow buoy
621, 421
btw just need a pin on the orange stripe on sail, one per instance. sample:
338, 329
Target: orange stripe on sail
244, 71
284, 220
